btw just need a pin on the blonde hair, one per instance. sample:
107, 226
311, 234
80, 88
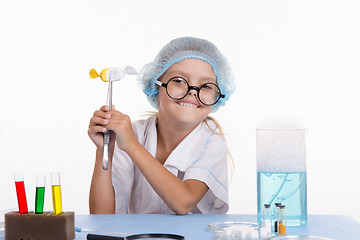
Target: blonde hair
220, 131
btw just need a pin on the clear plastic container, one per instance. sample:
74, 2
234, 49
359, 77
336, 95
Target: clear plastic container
304, 237
235, 230
220, 226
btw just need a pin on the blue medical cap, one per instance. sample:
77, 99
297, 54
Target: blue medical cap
187, 48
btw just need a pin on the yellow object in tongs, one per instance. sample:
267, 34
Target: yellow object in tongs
110, 75
93, 74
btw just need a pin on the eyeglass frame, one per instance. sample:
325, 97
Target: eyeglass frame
197, 89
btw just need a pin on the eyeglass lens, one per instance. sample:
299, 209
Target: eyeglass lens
178, 88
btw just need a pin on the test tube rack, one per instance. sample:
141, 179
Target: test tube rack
43, 226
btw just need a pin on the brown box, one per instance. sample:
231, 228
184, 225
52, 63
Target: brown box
45, 226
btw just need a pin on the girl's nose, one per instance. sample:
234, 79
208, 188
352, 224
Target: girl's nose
192, 91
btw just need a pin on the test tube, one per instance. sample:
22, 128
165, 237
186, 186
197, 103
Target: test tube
20, 192
40, 193
56, 192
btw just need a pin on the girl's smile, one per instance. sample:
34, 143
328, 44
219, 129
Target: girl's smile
188, 104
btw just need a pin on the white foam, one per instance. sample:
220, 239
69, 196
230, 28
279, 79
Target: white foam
281, 150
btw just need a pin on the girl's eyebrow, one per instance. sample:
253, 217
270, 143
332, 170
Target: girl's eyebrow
177, 73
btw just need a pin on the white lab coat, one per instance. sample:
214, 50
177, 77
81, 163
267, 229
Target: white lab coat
202, 155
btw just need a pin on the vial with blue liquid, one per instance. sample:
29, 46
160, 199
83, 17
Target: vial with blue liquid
281, 173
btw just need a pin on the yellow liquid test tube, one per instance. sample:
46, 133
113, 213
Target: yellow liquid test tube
56, 192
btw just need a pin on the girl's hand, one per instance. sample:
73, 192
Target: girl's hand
121, 125
97, 126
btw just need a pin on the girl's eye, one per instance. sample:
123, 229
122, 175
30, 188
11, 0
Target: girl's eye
207, 86
178, 80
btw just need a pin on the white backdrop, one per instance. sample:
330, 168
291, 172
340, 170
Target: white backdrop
296, 63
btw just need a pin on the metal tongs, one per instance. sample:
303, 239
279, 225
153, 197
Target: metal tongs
110, 75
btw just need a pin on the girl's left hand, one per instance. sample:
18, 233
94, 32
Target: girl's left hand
121, 125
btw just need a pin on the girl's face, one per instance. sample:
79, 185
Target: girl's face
188, 110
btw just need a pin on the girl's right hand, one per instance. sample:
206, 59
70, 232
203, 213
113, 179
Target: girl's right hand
97, 126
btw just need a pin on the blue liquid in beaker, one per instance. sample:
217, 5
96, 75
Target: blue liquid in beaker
287, 188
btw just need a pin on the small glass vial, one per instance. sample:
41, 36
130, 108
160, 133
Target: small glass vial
267, 217
274, 218
282, 220
265, 230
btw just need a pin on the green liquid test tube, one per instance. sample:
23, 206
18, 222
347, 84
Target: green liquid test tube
40, 194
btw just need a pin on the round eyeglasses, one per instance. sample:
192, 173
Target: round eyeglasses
178, 88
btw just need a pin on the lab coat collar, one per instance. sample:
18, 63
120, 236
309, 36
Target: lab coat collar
189, 149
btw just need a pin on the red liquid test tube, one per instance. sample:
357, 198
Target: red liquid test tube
20, 191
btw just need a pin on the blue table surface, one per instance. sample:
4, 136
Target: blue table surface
195, 226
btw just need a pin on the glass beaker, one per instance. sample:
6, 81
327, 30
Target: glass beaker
281, 172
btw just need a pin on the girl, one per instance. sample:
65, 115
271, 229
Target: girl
175, 161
